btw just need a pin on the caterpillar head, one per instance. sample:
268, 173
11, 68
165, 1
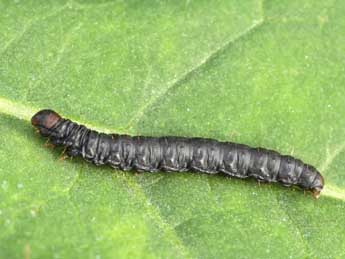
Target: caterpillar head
44, 121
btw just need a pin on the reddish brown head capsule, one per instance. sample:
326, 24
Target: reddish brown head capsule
45, 120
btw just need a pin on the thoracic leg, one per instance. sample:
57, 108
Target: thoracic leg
71, 152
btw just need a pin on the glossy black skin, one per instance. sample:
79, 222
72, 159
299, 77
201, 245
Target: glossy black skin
177, 154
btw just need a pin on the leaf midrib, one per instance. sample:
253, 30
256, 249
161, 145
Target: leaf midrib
23, 112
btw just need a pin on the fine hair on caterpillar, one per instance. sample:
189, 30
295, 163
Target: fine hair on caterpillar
169, 153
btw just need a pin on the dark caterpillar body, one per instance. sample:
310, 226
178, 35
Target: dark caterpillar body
176, 154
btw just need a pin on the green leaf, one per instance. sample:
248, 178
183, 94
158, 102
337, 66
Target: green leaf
266, 74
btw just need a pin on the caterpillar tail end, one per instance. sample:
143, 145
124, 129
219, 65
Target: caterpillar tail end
317, 185
316, 193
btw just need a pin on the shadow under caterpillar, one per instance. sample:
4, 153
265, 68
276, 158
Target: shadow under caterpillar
170, 153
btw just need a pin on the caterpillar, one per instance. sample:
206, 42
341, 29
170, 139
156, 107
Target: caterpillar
151, 154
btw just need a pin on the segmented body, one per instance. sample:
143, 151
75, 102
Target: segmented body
182, 154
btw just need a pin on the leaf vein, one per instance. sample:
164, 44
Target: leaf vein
174, 83
16, 37
298, 229
155, 214
330, 156
73, 182
27, 27
60, 53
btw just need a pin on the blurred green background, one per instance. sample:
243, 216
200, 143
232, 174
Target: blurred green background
267, 73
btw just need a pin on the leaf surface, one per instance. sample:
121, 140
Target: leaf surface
264, 74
